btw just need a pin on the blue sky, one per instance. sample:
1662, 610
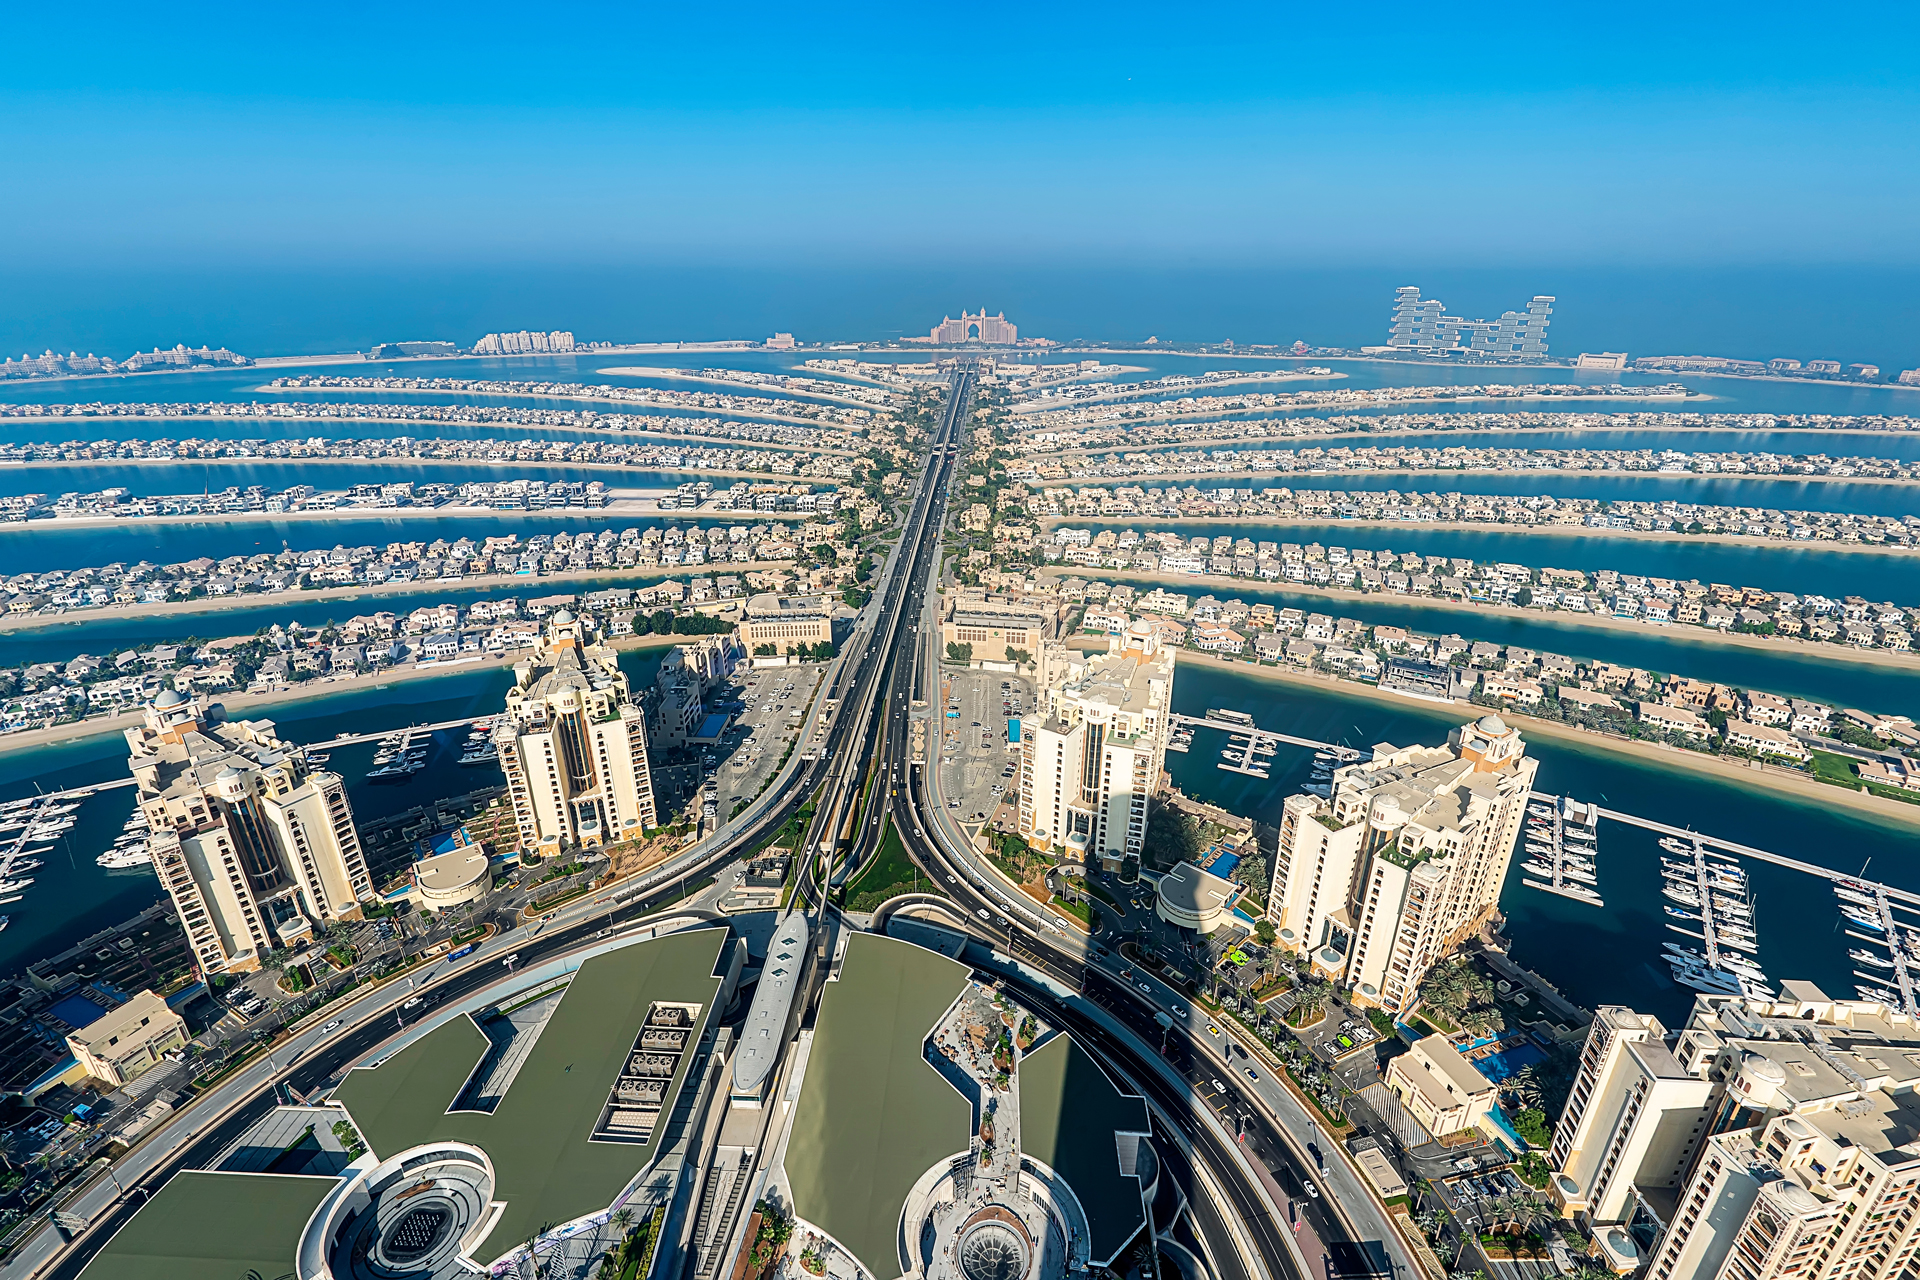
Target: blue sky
1285, 136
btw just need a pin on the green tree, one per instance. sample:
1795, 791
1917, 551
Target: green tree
1264, 932
958, 652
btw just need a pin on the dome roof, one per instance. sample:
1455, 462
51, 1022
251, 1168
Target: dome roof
1491, 724
563, 617
168, 698
224, 774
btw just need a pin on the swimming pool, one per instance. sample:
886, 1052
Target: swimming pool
1499, 1065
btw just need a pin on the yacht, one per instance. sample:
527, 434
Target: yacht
480, 753
121, 859
1541, 869
1862, 919
1874, 958
1681, 896
1678, 914
1712, 981
1880, 994
1846, 894
15, 886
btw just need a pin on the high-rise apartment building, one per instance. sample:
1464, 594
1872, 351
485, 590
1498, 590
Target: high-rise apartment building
573, 745
1089, 763
1422, 325
1768, 1139
524, 343
1403, 861
253, 848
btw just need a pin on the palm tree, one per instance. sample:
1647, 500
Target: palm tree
623, 1219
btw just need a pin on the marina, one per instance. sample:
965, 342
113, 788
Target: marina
1562, 840
1716, 909
1703, 891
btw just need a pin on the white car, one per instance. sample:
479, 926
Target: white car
331, 1026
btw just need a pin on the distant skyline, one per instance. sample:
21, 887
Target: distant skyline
1129, 136
1842, 313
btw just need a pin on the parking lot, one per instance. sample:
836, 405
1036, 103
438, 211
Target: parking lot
979, 764
769, 707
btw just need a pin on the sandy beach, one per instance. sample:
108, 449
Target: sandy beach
583, 397
236, 703
1480, 526
1764, 777
1192, 584
1448, 481
628, 502
748, 388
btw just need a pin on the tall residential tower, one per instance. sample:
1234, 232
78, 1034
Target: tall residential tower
1421, 325
1403, 861
253, 848
573, 745
1091, 762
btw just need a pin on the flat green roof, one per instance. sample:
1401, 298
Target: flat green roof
874, 1115
213, 1226
545, 1168
1070, 1111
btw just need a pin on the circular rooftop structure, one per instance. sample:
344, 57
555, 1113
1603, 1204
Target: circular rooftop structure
1491, 724
168, 698
993, 1250
409, 1216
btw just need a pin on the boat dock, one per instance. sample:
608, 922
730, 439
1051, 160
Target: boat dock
1249, 743
1858, 900
1565, 831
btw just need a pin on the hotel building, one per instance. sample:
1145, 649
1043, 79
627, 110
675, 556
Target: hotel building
992, 330
253, 849
1767, 1139
1419, 324
573, 745
1091, 761
1403, 861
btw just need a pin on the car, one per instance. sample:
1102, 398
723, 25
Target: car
1253, 1075
1212, 1030
1179, 1011
1218, 1087
982, 913
1144, 988
335, 1025
1311, 1189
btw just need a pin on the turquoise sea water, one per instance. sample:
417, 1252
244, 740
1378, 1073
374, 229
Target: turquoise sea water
72, 896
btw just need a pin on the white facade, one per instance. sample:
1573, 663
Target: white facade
1770, 1139
1631, 1119
1090, 762
573, 746
1422, 325
252, 848
1404, 861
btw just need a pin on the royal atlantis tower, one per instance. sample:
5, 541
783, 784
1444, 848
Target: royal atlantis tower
1090, 764
573, 745
253, 848
1403, 861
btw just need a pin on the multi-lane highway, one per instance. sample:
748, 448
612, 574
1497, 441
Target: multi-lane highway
1244, 1181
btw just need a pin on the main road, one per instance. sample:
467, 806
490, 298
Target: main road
852, 759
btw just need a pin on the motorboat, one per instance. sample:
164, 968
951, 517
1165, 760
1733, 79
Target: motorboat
1873, 958
1678, 914
1578, 872
122, 859
1855, 896
1879, 995
1681, 896
1540, 869
15, 886
1862, 919
1717, 982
